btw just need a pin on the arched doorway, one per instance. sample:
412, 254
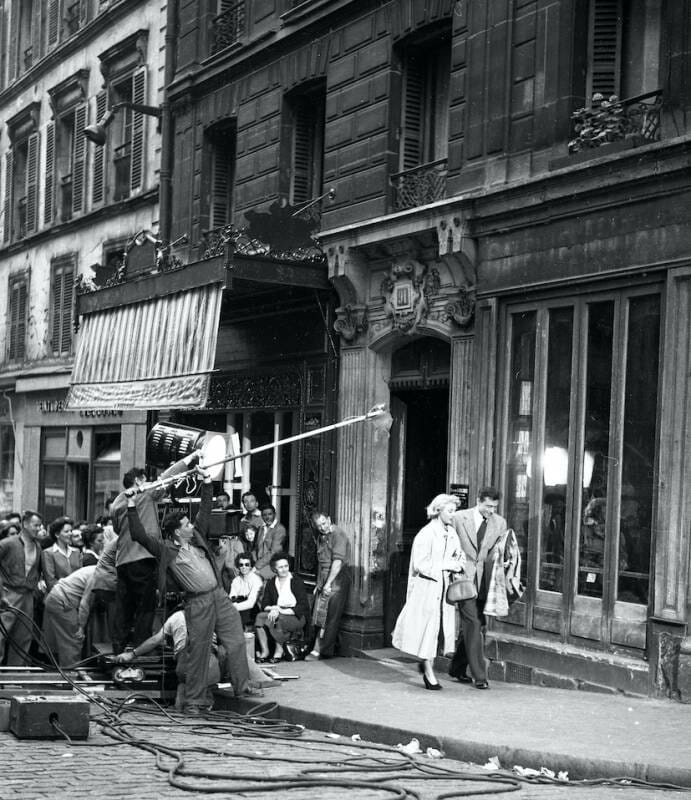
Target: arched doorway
418, 454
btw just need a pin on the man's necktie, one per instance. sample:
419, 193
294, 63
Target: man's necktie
481, 533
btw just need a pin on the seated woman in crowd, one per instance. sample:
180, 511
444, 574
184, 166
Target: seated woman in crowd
285, 608
61, 559
245, 588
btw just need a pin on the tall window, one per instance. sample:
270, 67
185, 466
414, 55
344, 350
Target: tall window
65, 165
62, 300
222, 150
623, 48
426, 72
17, 317
21, 188
581, 440
127, 136
304, 118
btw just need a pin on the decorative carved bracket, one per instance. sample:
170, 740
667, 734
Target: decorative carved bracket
351, 322
462, 310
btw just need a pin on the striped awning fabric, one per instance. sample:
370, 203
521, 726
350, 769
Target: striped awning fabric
153, 354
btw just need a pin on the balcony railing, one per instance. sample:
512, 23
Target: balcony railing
420, 185
228, 27
636, 119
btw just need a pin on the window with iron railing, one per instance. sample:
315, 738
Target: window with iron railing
423, 130
420, 185
228, 26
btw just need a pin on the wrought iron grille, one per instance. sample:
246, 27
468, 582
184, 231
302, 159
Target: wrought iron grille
229, 26
420, 185
611, 120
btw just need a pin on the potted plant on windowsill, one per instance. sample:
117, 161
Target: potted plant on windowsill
606, 123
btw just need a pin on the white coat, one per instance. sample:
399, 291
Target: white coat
425, 609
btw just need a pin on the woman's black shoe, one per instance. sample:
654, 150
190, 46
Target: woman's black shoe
433, 687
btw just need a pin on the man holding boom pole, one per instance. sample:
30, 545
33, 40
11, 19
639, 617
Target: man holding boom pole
187, 564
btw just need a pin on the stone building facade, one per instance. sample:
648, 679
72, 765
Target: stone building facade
500, 192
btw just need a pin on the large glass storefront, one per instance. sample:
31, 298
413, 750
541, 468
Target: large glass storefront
582, 398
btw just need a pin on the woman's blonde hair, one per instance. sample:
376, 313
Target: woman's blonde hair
438, 503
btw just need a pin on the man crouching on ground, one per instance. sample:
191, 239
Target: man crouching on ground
185, 560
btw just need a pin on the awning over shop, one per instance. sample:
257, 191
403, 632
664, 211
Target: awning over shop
155, 353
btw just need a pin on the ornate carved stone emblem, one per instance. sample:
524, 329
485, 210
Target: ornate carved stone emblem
351, 321
462, 310
407, 291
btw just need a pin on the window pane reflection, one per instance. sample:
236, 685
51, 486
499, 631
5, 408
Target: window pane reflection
638, 456
596, 449
555, 461
521, 425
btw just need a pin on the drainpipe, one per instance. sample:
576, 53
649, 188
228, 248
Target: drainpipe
165, 191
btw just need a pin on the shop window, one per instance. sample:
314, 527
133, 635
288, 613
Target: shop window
62, 305
52, 495
424, 119
6, 468
107, 478
221, 141
17, 316
304, 140
581, 441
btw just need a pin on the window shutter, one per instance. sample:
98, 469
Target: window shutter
221, 180
32, 183
303, 153
56, 309
78, 160
53, 22
604, 58
14, 43
137, 157
9, 180
36, 33
99, 154
67, 305
413, 100
49, 202
61, 311
17, 347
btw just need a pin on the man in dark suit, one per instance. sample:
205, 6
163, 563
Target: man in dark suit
479, 529
271, 539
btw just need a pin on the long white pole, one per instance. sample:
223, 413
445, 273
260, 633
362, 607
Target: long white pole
375, 411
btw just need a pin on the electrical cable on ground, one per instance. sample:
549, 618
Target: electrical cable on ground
382, 762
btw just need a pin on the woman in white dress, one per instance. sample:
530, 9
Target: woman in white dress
436, 553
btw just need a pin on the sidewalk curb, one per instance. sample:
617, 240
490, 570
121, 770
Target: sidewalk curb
460, 749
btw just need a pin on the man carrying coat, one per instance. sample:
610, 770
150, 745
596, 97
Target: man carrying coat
479, 529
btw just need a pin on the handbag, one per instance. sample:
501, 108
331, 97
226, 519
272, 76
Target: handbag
463, 588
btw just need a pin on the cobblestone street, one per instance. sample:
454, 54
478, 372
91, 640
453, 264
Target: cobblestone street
224, 755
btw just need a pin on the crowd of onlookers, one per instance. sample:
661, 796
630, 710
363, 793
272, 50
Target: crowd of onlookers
70, 585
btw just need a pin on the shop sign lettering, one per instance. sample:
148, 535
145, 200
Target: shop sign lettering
60, 407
